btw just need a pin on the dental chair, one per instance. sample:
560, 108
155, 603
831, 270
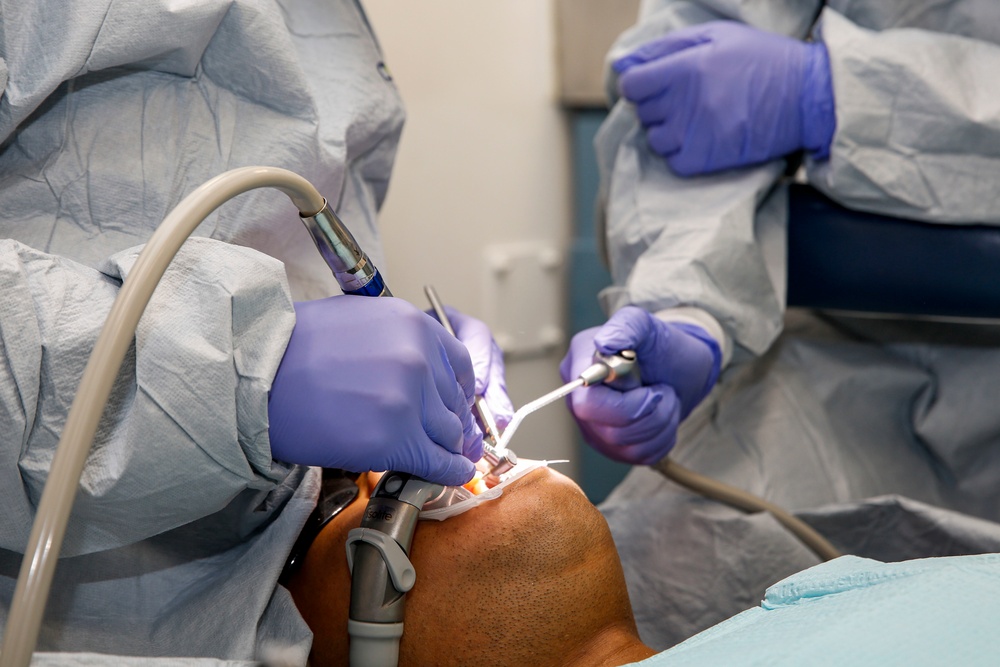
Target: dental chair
839, 259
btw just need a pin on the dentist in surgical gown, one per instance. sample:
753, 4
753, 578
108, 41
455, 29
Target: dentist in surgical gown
882, 433
244, 364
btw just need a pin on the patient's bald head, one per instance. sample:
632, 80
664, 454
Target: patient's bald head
530, 578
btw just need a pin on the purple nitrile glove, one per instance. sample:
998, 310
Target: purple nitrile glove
722, 94
487, 361
679, 364
374, 384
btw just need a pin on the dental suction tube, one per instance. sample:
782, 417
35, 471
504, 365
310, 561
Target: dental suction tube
381, 572
38, 565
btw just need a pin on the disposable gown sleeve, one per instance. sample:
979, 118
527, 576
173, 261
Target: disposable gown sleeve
714, 243
918, 123
185, 430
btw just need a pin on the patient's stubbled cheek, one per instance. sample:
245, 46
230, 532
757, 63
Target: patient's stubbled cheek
527, 563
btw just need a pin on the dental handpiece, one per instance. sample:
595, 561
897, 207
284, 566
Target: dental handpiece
619, 370
351, 267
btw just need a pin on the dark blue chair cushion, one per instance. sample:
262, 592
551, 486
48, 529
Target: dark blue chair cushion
843, 259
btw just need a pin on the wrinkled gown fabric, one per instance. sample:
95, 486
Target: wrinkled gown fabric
111, 113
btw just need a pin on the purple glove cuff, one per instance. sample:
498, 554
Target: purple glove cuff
819, 119
713, 345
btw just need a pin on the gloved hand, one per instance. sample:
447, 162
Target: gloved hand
722, 94
679, 364
374, 384
487, 361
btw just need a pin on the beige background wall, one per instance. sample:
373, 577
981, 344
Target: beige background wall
482, 172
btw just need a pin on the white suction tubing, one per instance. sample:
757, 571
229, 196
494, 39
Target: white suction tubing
49, 528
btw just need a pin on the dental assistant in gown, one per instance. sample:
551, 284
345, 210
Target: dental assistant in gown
881, 432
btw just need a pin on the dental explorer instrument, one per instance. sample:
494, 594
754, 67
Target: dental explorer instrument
619, 370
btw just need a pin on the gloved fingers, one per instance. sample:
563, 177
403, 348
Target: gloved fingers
677, 82
637, 426
580, 354
415, 432
676, 76
472, 448
677, 354
472, 436
448, 418
566, 365
664, 416
487, 362
476, 336
440, 466
677, 40
496, 393
442, 425
458, 359
569, 362
668, 116
649, 452
644, 445
702, 356
655, 110
629, 328
599, 404
665, 139
641, 82
633, 328
411, 407
455, 432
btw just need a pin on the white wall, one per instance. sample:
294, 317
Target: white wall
484, 163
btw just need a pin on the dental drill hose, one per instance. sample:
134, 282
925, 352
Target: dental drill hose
49, 528
624, 375
747, 502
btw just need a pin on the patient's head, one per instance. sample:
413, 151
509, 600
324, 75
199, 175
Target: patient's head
531, 578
